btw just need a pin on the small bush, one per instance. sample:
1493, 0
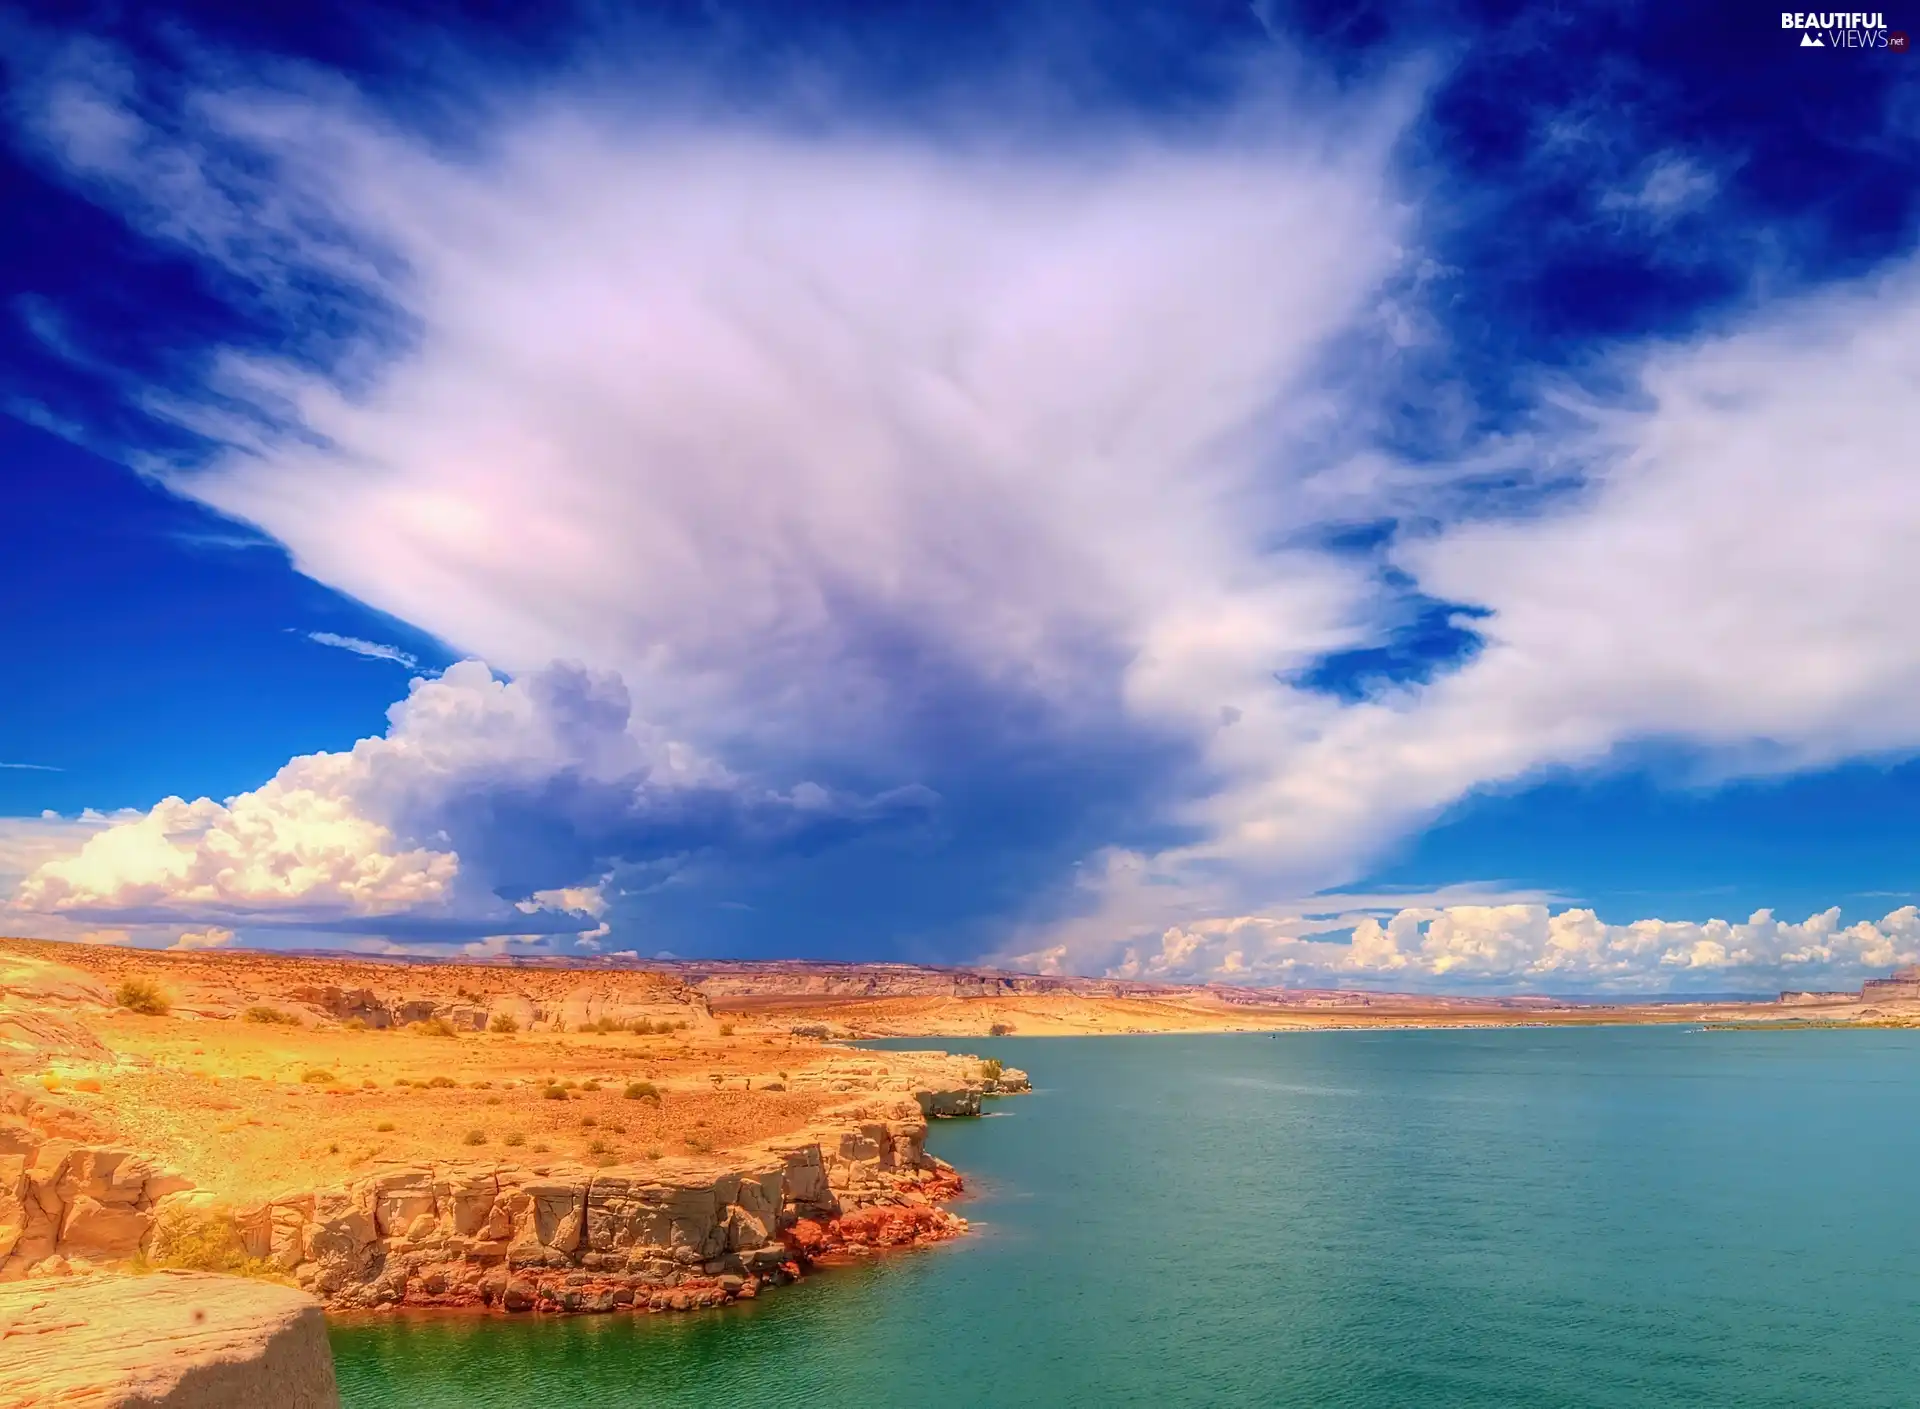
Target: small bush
261, 1013
401, 1081
503, 1022
1000, 1029
441, 1083
318, 1076
202, 1242
541, 1147
774, 1086
569, 1084
606, 1025
587, 1122
726, 1029
385, 1127
433, 1027
513, 1138
589, 1086
815, 1030
142, 995
643, 1091
655, 1152
616, 1127
597, 1147
493, 1100
640, 1027
474, 1137
555, 1093
990, 1069
699, 1147
355, 1024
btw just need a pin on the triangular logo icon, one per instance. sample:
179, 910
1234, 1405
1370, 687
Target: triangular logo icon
1807, 41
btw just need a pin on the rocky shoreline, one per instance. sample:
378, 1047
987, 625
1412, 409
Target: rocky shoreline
671, 1235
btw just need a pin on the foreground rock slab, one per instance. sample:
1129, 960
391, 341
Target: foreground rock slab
182, 1340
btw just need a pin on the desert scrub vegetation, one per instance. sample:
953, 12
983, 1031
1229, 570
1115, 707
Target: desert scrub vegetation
354, 1024
202, 1241
555, 1093
440, 1083
385, 1127
643, 1091
434, 1027
990, 1069
726, 1029
1000, 1030
589, 1085
142, 995
261, 1013
503, 1022
318, 1076
513, 1138
474, 1137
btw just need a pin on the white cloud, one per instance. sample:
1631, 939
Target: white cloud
1669, 186
213, 937
478, 788
795, 432
372, 650
1520, 947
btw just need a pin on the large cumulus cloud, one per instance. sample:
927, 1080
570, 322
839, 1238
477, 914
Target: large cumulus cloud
489, 806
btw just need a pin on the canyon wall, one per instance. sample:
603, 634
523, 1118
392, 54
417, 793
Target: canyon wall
670, 1234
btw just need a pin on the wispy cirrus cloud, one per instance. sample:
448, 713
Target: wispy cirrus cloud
372, 650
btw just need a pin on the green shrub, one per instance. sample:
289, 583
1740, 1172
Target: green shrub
203, 1241
643, 1091
503, 1022
990, 1069
142, 995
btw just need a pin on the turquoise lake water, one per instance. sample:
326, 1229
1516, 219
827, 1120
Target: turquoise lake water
1604, 1217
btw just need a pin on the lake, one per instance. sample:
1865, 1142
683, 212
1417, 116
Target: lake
1525, 1217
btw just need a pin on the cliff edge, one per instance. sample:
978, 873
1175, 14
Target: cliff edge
173, 1340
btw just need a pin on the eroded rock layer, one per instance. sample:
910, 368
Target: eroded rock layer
177, 1340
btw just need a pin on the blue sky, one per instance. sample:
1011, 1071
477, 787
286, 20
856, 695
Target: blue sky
1398, 496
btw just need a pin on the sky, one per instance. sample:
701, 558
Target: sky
1409, 497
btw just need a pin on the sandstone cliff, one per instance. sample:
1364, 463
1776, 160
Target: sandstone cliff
169, 1341
668, 1235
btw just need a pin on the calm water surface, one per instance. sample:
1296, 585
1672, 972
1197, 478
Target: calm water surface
1605, 1217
